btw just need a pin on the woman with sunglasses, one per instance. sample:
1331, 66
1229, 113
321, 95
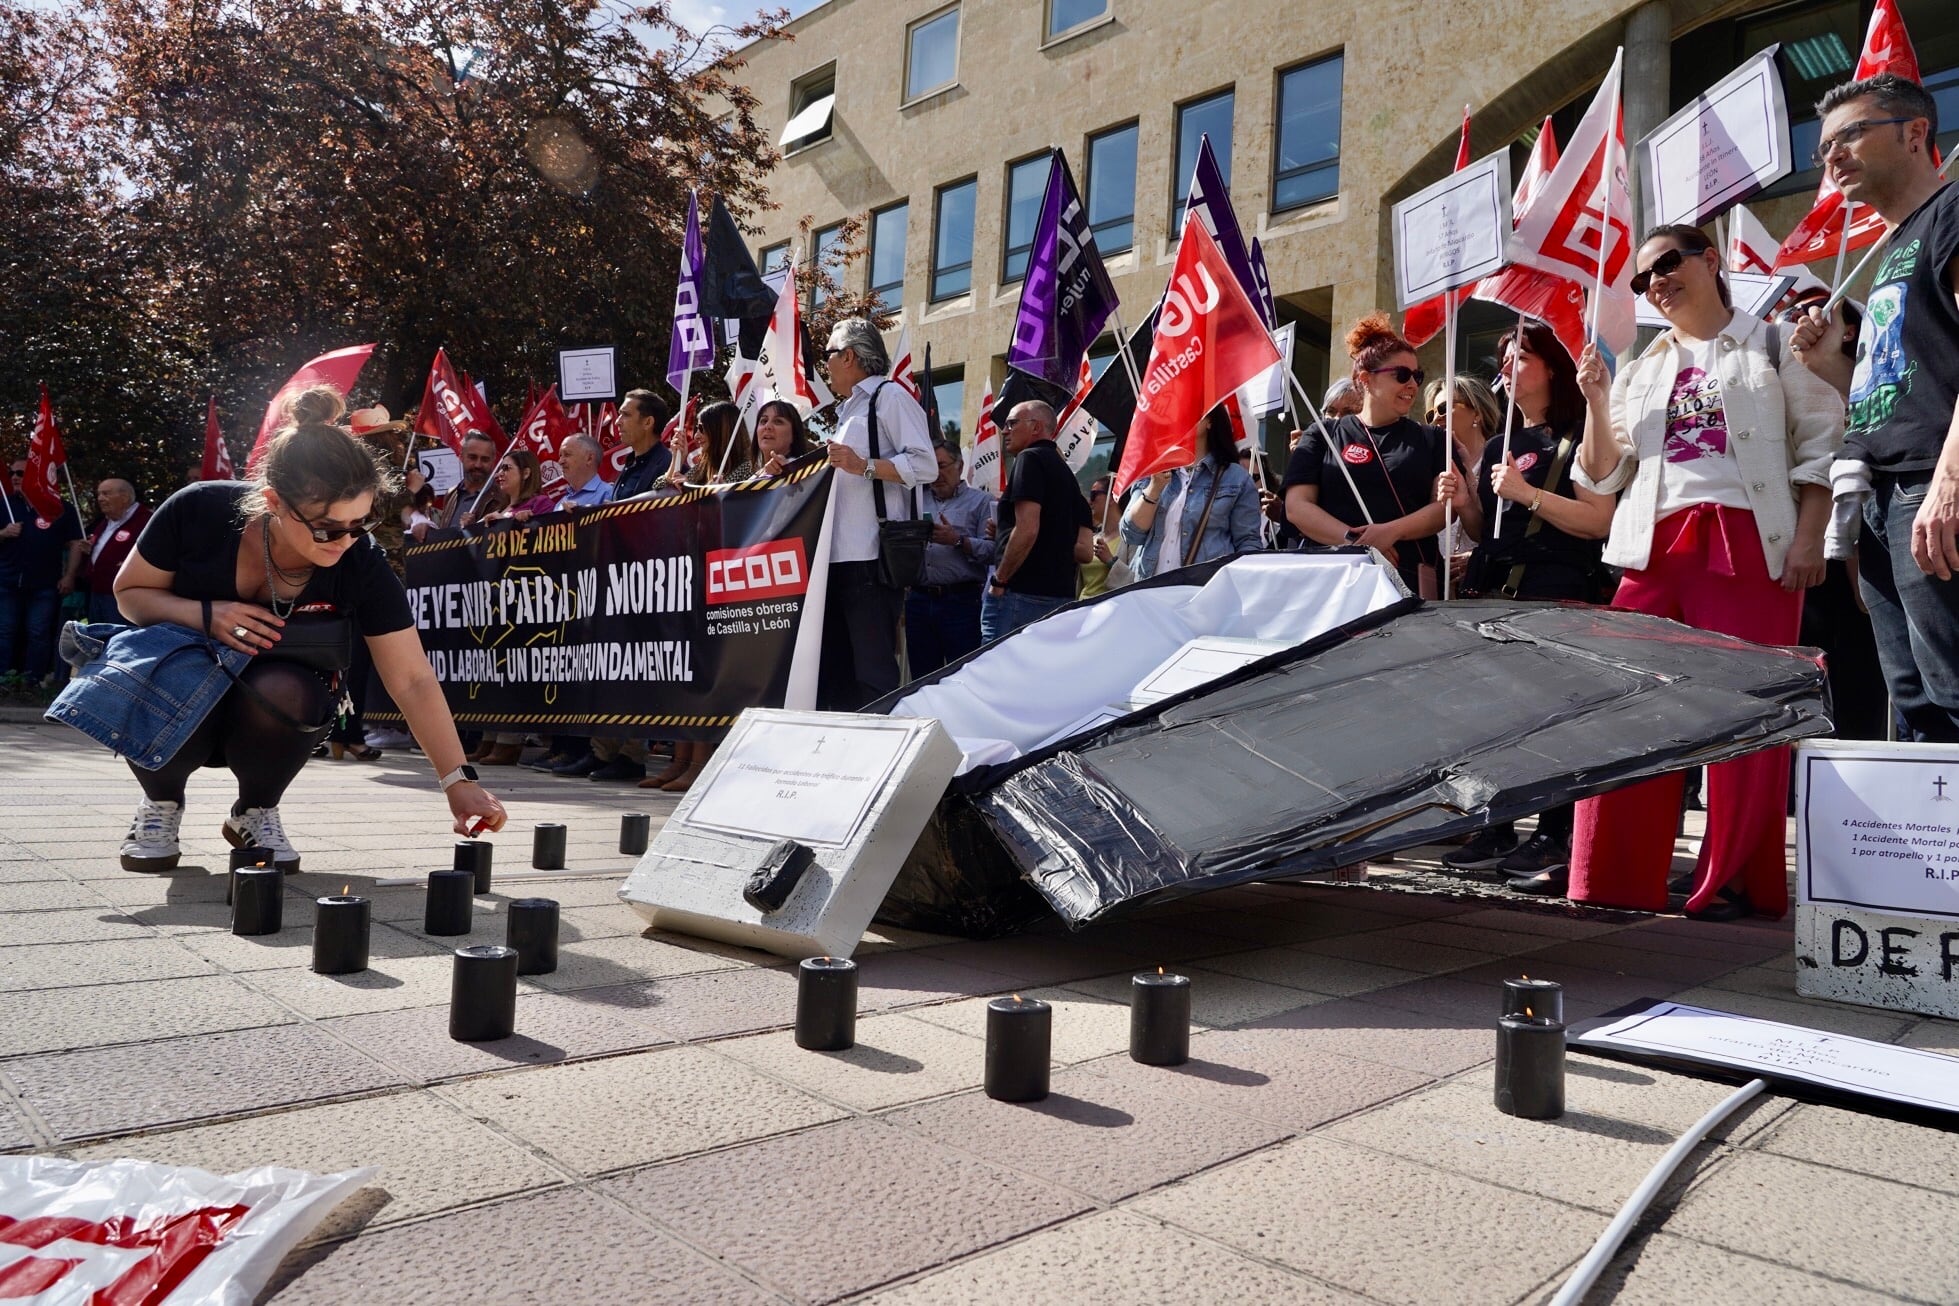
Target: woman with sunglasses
518, 486
1388, 457
239, 568
1718, 442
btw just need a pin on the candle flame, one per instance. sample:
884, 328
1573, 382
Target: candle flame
1526, 977
1159, 970
1528, 1015
345, 889
1016, 997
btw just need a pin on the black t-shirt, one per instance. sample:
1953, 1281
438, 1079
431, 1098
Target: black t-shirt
1040, 473
1907, 378
196, 534
1535, 451
1413, 454
40, 551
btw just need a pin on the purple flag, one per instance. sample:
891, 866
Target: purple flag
693, 344
1210, 200
1066, 296
1264, 296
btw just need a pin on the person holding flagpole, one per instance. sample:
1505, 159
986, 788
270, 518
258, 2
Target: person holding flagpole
1194, 514
1369, 479
1718, 441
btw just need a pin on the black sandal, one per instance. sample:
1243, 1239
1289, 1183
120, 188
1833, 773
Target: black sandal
362, 753
1728, 904
1551, 882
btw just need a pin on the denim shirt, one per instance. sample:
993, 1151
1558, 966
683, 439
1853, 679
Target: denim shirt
140, 691
1233, 527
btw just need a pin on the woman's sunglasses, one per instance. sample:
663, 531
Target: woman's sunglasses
1401, 375
328, 533
1664, 266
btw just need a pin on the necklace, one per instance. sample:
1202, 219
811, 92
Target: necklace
274, 569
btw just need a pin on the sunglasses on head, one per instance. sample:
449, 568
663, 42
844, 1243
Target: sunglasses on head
1401, 375
1664, 266
325, 532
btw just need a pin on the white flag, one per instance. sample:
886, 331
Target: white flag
902, 364
789, 373
986, 468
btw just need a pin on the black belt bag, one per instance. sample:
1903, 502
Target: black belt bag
321, 642
900, 544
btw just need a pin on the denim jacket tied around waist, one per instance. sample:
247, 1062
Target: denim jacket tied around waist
140, 691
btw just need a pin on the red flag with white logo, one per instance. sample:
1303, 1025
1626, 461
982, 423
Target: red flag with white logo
788, 368
444, 414
1581, 225
217, 456
543, 432
902, 364
337, 369
1887, 49
1423, 320
1209, 341
987, 468
1558, 302
44, 456
1075, 428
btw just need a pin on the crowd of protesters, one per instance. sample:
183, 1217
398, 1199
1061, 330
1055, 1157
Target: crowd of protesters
1787, 480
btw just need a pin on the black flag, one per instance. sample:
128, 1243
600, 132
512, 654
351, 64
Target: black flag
1112, 401
930, 396
730, 286
1019, 387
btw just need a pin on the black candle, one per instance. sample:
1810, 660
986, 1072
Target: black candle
340, 927
1541, 997
548, 846
245, 857
533, 933
634, 827
483, 994
1530, 1067
450, 902
473, 855
1019, 1032
826, 1004
1159, 1018
258, 895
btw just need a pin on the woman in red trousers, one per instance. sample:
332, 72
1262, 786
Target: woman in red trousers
1718, 442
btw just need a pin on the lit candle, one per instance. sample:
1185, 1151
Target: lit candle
473, 855
450, 902
1019, 1033
548, 846
533, 932
1159, 1018
634, 829
340, 929
1545, 997
1530, 1066
258, 895
826, 1004
483, 994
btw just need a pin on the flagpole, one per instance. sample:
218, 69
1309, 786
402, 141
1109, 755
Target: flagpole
1448, 435
1509, 419
677, 474
70, 478
1122, 352
1339, 462
1843, 246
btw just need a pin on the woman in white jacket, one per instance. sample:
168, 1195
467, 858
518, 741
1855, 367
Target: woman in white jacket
1718, 441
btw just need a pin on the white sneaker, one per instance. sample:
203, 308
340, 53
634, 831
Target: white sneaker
259, 827
152, 841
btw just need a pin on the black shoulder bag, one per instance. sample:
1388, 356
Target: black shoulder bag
900, 544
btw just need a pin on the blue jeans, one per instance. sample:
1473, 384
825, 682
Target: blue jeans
40, 613
1003, 614
102, 607
1915, 616
940, 628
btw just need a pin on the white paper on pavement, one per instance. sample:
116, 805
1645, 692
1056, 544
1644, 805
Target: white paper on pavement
125, 1227
1773, 1050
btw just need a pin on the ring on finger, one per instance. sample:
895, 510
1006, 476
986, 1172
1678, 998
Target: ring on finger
239, 632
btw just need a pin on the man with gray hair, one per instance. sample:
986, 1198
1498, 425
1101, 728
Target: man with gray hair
1043, 527
882, 452
578, 458
120, 518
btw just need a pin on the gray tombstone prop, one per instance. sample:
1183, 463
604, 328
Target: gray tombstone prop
857, 790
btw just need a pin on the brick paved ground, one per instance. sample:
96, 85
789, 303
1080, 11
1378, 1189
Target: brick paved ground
652, 1133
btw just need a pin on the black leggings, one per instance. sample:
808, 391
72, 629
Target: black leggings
264, 752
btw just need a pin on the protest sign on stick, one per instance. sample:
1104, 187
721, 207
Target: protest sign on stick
1731, 141
1451, 234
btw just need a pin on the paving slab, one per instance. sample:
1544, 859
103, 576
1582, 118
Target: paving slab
566, 1245
1676, 968
1296, 968
549, 1029
710, 1005
106, 1091
829, 1212
388, 984
15, 1132
1528, 920
1216, 999
897, 1059
1393, 948
50, 1020
1667, 1270
103, 961
1084, 1026
1378, 1225
48, 895
913, 978
603, 1116
431, 1156
1810, 1013
1113, 1258
1864, 1144
74, 925
1412, 1040
1034, 962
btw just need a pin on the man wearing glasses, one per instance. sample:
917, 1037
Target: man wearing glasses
1877, 147
1043, 526
34, 575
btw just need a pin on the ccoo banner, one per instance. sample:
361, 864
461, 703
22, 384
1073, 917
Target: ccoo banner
667, 615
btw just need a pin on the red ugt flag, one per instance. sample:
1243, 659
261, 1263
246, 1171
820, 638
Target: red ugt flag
1423, 320
1887, 49
452, 408
217, 458
337, 369
44, 454
1209, 341
1555, 301
543, 432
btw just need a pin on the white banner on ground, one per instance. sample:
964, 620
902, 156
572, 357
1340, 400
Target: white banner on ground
1754, 293
1729, 142
1452, 233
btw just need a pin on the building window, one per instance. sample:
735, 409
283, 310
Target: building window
1066, 15
952, 239
888, 251
1112, 189
932, 54
949, 392
825, 241
1210, 116
775, 258
812, 103
1027, 181
1306, 156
